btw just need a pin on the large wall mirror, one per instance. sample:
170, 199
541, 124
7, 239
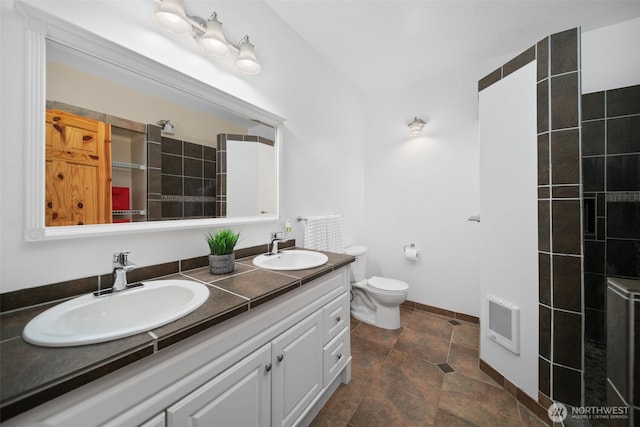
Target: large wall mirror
120, 143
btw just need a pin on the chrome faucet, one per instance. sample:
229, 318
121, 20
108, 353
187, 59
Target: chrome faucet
120, 266
276, 237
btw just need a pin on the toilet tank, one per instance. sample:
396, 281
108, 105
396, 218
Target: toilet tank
357, 270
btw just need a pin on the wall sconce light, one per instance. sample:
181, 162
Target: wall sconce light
167, 127
415, 127
208, 34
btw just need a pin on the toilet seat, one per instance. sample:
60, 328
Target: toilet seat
387, 286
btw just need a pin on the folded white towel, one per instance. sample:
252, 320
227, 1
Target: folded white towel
323, 233
334, 233
315, 233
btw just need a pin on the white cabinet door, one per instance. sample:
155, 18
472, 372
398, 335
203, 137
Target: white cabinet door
297, 369
240, 396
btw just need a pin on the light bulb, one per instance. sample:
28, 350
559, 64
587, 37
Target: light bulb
171, 16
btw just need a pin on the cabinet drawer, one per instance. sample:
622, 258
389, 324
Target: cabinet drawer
336, 355
336, 316
157, 421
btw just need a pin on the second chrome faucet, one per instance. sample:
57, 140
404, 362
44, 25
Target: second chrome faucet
276, 237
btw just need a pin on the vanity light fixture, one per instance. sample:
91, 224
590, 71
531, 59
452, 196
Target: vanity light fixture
208, 34
171, 16
247, 61
415, 127
212, 40
167, 127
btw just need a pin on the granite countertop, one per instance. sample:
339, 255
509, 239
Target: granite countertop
31, 375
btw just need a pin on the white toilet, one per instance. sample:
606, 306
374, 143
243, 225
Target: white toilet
377, 300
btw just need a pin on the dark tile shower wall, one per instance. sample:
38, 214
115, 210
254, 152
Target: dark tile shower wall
181, 178
611, 173
154, 174
559, 224
560, 256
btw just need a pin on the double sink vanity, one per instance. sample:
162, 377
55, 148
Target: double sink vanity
264, 345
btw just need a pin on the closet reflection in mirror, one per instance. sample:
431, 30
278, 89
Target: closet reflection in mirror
109, 161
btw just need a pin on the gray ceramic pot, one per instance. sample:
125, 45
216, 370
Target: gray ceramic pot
221, 264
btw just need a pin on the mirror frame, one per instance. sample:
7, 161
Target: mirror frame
41, 26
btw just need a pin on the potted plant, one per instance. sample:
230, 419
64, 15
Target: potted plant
221, 256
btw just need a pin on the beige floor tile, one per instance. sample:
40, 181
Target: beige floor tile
478, 402
415, 376
344, 402
431, 324
465, 334
354, 322
465, 361
423, 346
386, 406
327, 418
445, 419
396, 381
405, 315
367, 356
385, 337
528, 418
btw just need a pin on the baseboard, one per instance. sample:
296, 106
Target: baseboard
537, 407
441, 311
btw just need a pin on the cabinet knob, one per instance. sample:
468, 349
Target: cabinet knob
267, 367
338, 318
339, 356
280, 357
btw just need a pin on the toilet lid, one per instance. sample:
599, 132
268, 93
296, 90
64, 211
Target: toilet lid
387, 285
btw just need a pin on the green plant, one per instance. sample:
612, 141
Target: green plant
221, 242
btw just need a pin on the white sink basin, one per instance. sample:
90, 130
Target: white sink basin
89, 319
290, 260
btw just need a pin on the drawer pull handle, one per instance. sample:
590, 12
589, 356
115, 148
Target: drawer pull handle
267, 367
338, 318
280, 357
339, 356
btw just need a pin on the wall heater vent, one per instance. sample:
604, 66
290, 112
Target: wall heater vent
504, 323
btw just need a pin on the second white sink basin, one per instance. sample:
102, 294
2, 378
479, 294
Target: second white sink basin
89, 319
291, 260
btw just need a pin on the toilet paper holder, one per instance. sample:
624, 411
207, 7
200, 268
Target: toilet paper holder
410, 251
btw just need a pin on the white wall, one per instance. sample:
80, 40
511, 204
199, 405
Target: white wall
611, 57
423, 189
323, 134
509, 213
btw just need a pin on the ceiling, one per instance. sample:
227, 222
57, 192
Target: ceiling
379, 45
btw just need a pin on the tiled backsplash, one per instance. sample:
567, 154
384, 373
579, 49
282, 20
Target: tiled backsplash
59, 291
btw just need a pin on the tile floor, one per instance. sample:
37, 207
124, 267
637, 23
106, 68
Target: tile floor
423, 374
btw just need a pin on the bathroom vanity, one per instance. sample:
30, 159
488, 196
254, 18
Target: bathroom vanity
274, 362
